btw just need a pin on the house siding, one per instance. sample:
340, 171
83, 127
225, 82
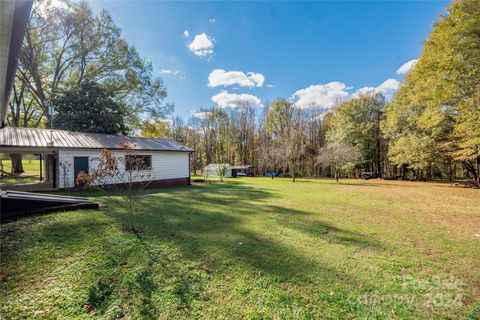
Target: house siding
167, 166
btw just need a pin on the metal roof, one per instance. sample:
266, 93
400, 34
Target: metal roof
216, 166
242, 166
48, 138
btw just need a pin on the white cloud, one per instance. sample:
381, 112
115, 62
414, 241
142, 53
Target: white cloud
257, 78
220, 77
201, 114
186, 33
270, 85
212, 20
168, 71
322, 96
389, 85
407, 66
325, 97
387, 88
202, 45
225, 99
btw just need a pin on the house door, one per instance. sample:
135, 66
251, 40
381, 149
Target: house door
79, 164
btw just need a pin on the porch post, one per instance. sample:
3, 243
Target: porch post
54, 168
41, 173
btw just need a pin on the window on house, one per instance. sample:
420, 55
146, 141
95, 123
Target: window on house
138, 162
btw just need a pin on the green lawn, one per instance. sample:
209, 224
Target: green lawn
30, 166
31, 174
253, 248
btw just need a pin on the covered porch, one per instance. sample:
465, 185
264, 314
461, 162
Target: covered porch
39, 165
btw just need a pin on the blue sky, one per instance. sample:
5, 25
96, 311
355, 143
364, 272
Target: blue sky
317, 53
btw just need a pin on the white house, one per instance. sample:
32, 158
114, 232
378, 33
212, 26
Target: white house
66, 153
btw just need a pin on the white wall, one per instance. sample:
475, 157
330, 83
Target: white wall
213, 173
165, 164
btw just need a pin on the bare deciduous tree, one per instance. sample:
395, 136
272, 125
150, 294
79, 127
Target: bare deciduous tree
339, 157
293, 142
123, 178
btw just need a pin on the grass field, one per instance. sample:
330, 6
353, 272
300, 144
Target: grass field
253, 248
31, 174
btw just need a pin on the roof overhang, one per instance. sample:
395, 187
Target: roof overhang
27, 150
14, 16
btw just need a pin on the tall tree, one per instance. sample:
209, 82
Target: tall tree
293, 142
193, 140
438, 103
315, 132
156, 129
279, 115
22, 113
89, 109
243, 121
357, 122
66, 46
70, 45
284, 124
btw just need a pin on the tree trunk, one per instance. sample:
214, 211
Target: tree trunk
478, 172
450, 171
378, 155
474, 170
17, 166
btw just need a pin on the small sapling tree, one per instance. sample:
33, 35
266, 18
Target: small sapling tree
222, 171
123, 177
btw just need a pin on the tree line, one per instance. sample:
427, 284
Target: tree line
296, 142
75, 60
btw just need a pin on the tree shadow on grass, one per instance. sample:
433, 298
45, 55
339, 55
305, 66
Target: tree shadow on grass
145, 286
213, 222
45, 232
112, 268
208, 225
211, 218
325, 231
122, 275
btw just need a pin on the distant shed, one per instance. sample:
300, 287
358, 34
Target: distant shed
213, 170
244, 170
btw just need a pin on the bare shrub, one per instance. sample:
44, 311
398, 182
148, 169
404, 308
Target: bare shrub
122, 178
